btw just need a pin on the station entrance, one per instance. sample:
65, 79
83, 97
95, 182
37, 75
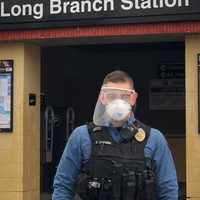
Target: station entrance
71, 77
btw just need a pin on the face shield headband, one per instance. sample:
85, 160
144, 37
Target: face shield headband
113, 93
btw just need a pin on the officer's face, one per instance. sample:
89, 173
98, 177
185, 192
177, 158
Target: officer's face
128, 96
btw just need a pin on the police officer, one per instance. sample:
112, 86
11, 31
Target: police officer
116, 157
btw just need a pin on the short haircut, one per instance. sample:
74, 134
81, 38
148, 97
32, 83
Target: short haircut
118, 76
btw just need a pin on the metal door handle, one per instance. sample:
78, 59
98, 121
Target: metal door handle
49, 132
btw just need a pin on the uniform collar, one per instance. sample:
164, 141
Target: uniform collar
130, 121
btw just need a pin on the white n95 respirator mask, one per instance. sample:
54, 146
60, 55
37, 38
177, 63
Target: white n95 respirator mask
118, 110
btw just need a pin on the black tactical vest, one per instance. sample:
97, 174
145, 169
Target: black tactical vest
117, 171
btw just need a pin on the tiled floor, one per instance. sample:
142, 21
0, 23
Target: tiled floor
45, 196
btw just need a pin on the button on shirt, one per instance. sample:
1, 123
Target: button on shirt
78, 150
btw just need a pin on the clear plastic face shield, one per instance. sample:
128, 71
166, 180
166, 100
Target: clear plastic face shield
114, 106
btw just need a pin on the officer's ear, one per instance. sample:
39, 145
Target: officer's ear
103, 98
133, 98
134, 108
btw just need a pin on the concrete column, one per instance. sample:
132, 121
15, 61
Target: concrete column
20, 150
192, 135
